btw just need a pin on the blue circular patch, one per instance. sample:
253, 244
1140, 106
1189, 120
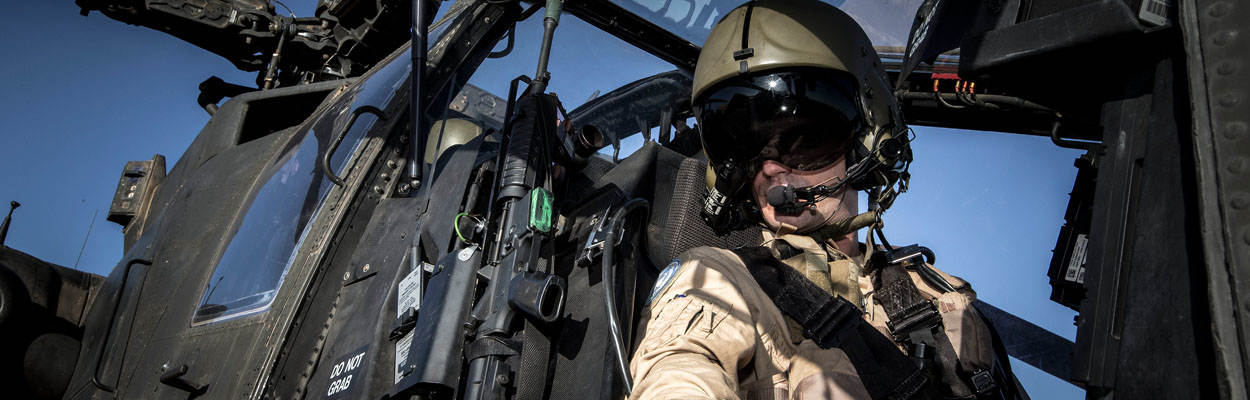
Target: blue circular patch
665, 278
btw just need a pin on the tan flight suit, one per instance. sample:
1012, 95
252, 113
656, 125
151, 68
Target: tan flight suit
713, 333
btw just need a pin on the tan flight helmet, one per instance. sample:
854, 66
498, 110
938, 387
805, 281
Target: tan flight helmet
766, 36
449, 132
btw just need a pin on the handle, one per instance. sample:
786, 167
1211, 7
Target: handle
108, 334
338, 138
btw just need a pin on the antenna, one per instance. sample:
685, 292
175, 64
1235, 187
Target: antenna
84, 239
4, 226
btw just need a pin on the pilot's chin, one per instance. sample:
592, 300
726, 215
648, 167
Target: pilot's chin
775, 219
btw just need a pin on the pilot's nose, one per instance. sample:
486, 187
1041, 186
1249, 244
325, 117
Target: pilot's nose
772, 169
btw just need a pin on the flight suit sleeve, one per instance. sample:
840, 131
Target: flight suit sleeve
697, 332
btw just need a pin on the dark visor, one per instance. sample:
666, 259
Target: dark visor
801, 118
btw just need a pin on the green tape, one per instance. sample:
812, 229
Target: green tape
553, 9
540, 210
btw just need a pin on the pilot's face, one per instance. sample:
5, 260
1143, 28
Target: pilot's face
833, 208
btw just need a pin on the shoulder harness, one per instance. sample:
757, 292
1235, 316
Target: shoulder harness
914, 321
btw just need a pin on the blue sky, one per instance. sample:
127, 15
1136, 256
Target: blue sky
86, 94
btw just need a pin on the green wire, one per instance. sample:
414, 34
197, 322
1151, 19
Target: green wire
456, 223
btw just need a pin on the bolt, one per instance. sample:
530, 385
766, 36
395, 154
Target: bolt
391, 164
1224, 38
386, 177
404, 188
365, 268
1226, 68
1219, 9
377, 189
1240, 201
502, 379
1234, 130
403, 138
1230, 99
1237, 165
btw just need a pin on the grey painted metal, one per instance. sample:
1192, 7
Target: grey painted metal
1030, 343
1216, 60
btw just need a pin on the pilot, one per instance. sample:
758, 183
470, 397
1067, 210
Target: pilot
790, 95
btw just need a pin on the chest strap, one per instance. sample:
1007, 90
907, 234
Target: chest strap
831, 322
916, 323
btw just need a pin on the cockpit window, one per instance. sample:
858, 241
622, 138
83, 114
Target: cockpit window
585, 63
887, 22
252, 268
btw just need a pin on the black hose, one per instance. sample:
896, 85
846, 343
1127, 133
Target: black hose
1069, 144
609, 250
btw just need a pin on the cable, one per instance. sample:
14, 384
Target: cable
609, 250
937, 95
288, 9
456, 223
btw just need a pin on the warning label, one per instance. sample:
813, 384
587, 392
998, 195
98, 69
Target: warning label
1076, 264
345, 374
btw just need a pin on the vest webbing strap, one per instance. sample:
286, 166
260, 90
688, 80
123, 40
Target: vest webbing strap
831, 322
914, 320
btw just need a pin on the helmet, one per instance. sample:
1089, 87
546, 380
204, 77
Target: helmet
796, 81
449, 132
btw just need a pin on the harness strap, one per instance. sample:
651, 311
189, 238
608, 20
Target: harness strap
831, 322
915, 321
535, 368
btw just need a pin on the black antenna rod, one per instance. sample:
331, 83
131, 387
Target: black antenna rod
550, 21
419, 28
4, 226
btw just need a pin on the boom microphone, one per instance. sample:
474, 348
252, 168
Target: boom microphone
789, 200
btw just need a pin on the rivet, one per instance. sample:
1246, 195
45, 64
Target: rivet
1237, 165
1230, 99
347, 275
1226, 68
1240, 201
1224, 38
1219, 9
1234, 130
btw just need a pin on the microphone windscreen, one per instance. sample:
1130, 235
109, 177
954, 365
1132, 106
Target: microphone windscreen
780, 195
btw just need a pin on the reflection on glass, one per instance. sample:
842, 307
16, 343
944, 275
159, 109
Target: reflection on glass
887, 22
259, 255
253, 265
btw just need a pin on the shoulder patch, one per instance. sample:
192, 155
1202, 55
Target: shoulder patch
664, 279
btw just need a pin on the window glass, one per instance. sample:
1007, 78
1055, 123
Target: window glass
251, 269
585, 63
887, 22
